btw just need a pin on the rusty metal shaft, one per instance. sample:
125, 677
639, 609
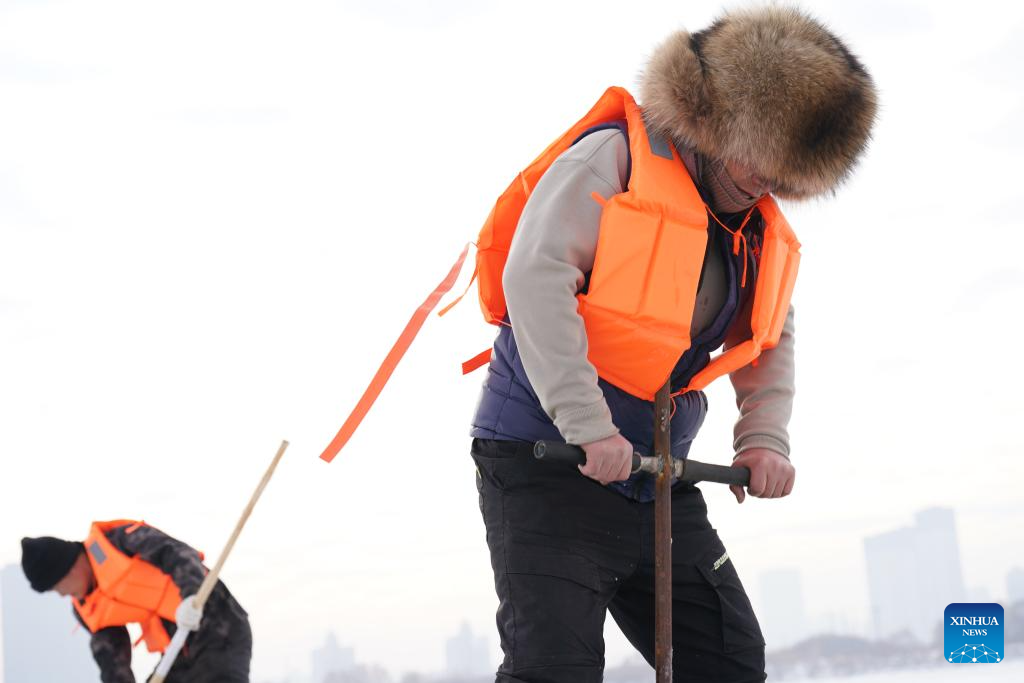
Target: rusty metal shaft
663, 537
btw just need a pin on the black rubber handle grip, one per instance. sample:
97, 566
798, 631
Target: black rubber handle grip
567, 454
718, 474
561, 453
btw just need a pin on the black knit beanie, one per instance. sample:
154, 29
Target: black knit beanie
47, 560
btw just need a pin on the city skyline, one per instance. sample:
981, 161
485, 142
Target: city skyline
901, 557
467, 654
913, 573
49, 616
331, 657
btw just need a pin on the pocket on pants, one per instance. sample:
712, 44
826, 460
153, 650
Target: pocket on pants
551, 613
499, 463
740, 630
539, 561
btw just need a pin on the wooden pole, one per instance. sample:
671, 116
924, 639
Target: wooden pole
663, 537
210, 582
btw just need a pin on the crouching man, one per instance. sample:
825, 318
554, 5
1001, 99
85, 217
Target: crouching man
128, 572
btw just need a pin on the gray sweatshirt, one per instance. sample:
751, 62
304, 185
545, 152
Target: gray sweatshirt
553, 247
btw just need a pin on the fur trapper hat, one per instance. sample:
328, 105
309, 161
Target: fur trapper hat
770, 88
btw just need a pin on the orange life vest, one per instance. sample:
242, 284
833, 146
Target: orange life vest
650, 253
128, 590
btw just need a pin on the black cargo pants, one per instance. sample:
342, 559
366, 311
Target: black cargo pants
565, 550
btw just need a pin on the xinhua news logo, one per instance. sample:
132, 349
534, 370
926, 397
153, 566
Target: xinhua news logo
974, 633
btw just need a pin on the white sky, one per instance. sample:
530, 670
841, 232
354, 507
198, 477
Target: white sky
216, 217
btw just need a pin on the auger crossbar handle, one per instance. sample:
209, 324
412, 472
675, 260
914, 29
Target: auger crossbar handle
683, 470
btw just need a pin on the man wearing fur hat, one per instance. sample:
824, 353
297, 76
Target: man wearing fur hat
763, 102
128, 572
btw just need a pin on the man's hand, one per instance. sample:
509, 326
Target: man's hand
609, 459
187, 615
771, 474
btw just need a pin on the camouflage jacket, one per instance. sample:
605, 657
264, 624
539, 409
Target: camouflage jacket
112, 647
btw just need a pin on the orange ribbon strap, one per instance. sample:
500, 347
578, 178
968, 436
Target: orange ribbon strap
478, 361
412, 328
737, 238
460, 296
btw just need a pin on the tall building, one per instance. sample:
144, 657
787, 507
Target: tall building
978, 594
42, 641
466, 654
1014, 586
331, 658
913, 573
782, 617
